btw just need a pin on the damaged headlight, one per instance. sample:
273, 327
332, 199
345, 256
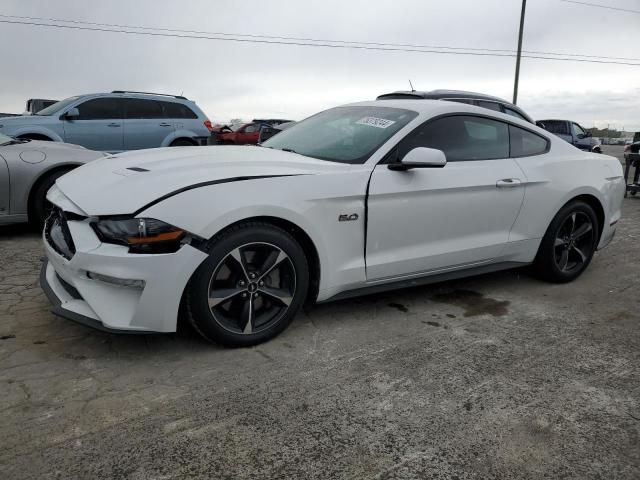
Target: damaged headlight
141, 235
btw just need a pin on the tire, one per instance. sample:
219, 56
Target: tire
569, 243
35, 136
242, 304
39, 207
182, 142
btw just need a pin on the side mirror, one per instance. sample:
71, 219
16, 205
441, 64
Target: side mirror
588, 134
71, 114
420, 157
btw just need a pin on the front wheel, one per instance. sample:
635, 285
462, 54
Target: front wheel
569, 243
250, 288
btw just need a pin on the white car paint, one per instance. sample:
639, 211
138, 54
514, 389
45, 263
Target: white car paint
411, 224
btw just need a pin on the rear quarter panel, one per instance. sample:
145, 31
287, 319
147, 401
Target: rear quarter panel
559, 176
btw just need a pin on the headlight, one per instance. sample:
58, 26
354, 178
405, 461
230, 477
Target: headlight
141, 235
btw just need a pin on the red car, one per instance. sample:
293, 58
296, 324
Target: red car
246, 134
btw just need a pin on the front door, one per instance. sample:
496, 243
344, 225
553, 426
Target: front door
580, 138
435, 219
99, 126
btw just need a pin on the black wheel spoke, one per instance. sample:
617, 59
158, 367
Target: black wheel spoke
573, 223
583, 257
246, 316
238, 259
582, 230
282, 296
574, 242
564, 259
275, 258
216, 297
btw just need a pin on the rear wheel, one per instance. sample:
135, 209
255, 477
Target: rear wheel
569, 243
250, 288
182, 142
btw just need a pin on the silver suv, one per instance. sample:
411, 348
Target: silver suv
115, 122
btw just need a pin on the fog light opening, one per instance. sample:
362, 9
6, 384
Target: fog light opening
121, 282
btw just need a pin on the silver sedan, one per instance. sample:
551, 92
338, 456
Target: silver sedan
28, 168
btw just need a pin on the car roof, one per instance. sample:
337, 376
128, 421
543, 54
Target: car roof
143, 95
450, 95
440, 94
433, 108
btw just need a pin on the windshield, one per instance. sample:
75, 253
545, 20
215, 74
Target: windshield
4, 139
56, 107
342, 134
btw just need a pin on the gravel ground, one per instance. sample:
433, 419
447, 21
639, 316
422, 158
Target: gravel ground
497, 376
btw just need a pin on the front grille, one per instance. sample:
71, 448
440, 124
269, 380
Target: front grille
57, 234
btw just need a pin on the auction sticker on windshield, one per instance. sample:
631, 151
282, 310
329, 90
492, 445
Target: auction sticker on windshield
376, 122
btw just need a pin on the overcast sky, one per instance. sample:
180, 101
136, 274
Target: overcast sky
230, 79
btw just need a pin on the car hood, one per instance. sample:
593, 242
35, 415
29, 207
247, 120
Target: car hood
50, 146
26, 120
123, 184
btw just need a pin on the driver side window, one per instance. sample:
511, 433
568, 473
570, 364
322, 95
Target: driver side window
461, 138
101, 109
578, 130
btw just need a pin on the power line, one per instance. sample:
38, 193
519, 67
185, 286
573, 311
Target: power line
597, 5
317, 40
307, 44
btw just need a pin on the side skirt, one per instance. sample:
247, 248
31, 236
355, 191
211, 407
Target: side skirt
426, 280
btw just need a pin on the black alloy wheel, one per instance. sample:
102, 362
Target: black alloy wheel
569, 243
250, 288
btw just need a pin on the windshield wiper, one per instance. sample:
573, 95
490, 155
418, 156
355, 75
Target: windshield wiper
290, 150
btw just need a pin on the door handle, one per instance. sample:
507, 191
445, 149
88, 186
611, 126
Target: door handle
113, 125
165, 124
508, 183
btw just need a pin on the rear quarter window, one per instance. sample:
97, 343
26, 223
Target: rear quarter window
523, 143
177, 110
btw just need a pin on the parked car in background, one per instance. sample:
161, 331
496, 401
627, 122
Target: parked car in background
460, 96
572, 133
632, 159
247, 134
269, 131
115, 122
356, 199
34, 105
28, 168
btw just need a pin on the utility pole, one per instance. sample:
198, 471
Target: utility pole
515, 85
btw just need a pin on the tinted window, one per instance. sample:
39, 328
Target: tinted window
101, 109
254, 127
56, 107
461, 138
525, 143
557, 127
490, 105
177, 110
578, 129
139, 108
514, 113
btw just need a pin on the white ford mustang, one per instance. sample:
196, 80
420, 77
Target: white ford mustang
356, 199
